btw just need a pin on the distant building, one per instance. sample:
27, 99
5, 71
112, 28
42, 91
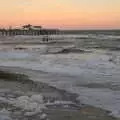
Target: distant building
31, 27
37, 27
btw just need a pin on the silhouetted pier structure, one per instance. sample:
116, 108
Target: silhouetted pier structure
29, 30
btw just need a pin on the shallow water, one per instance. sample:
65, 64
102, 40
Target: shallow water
95, 76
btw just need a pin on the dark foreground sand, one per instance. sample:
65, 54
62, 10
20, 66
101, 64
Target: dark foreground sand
17, 101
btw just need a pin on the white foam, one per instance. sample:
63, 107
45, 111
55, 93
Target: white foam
33, 103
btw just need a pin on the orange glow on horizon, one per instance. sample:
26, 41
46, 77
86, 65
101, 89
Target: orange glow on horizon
75, 14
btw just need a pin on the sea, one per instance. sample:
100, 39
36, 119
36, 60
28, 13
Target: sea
86, 61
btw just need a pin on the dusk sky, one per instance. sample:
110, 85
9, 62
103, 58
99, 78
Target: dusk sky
67, 14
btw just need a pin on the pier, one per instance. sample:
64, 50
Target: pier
29, 30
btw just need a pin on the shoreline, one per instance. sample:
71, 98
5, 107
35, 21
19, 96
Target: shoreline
58, 110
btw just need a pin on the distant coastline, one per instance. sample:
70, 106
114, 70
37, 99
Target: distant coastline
92, 31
